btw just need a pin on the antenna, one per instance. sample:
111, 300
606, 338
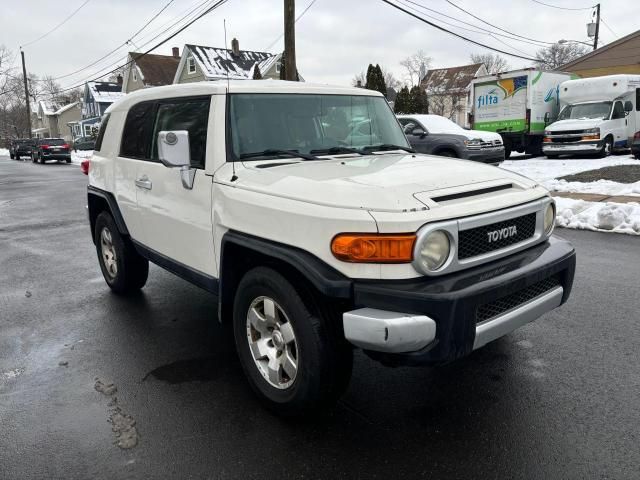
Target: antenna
233, 164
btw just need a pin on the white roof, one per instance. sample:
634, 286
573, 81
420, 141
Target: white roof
104, 92
435, 123
48, 108
65, 108
221, 87
220, 62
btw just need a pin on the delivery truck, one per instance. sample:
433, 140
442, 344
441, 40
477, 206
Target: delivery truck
598, 116
517, 105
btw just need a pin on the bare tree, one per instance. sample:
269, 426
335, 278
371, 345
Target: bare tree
416, 67
559, 54
493, 62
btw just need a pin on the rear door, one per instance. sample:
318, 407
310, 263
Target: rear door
177, 220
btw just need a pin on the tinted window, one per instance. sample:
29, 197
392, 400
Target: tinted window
191, 115
52, 141
618, 111
137, 130
637, 99
103, 127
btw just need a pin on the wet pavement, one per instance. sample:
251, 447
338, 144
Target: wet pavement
97, 386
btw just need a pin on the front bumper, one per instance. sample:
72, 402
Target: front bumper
453, 303
571, 148
493, 155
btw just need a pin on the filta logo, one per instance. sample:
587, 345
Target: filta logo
491, 98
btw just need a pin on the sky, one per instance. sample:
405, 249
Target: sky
335, 39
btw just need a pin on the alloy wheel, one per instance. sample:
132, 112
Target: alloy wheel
108, 251
272, 342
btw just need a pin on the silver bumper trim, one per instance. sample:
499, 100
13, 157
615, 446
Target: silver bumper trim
516, 318
390, 332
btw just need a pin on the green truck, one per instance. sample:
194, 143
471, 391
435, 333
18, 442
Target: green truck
517, 105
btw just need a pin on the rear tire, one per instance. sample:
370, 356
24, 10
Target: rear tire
11, 156
17, 157
292, 354
68, 160
123, 268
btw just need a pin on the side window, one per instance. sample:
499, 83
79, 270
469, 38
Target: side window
191, 67
618, 111
137, 130
103, 127
191, 115
637, 99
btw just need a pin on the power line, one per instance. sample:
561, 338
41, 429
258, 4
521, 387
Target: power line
117, 48
296, 21
562, 8
608, 27
495, 26
207, 11
57, 26
458, 35
99, 73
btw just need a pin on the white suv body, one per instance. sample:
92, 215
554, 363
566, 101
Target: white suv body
217, 212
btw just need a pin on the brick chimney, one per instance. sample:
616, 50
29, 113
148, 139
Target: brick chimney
176, 52
235, 47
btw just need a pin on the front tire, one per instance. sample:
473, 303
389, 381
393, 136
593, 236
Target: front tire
124, 269
552, 157
607, 148
293, 355
448, 153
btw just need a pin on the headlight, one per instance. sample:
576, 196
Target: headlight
592, 131
548, 132
549, 218
434, 250
473, 143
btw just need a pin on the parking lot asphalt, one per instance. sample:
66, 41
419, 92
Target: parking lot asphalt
557, 399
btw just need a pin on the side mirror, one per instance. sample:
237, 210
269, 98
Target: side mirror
173, 148
418, 132
173, 151
547, 118
628, 106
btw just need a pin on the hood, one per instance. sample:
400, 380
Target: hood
385, 182
574, 124
482, 135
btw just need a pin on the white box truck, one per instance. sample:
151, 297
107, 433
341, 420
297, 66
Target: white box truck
598, 116
516, 105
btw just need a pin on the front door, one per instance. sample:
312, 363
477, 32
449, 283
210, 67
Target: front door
176, 220
619, 125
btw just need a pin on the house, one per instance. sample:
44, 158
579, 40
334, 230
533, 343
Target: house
96, 98
52, 120
199, 63
449, 90
620, 56
149, 70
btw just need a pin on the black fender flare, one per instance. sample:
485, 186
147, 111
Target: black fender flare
94, 192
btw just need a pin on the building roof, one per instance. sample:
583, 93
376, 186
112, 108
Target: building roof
105, 92
48, 108
65, 108
633, 56
220, 62
155, 70
450, 79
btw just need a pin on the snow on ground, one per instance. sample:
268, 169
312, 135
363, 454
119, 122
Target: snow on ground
599, 216
4, 152
77, 157
604, 187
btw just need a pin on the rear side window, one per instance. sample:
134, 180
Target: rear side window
103, 127
137, 131
191, 115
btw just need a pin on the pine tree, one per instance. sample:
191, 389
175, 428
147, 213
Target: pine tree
381, 86
370, 79
418, 100
257, 75
401, 103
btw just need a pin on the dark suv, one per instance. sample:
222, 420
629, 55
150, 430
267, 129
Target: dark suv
21, 147
51, 149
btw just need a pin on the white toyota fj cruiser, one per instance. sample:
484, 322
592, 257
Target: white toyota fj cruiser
316, 236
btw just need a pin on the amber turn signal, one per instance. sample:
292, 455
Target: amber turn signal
373, 248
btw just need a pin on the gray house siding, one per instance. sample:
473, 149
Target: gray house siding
186, 77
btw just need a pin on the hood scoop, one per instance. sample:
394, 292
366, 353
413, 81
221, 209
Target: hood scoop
471, 193
467, 193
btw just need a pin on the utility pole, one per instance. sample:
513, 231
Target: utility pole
290, 69
595, 38
26, 93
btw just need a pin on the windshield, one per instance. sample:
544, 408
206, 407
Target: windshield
310, 123
52, 141
583, 111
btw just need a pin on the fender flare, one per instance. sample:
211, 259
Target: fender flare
113, 207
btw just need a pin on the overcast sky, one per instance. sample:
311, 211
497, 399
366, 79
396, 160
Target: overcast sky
335, 39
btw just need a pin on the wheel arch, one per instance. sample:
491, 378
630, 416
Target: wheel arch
99, 201
240, 253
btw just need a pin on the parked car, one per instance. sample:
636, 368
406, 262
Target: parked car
314, 247
438, 135
51, 149
635, 145
21, 147
84, 143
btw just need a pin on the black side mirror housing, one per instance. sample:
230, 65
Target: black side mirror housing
628, 106
418, 132
547, 118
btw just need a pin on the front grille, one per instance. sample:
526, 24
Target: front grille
509, 302
566, 139
491, 144
477, 241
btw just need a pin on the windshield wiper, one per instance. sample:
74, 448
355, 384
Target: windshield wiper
387, 146
336, 151
274, 152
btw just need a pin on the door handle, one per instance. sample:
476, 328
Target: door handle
144, 182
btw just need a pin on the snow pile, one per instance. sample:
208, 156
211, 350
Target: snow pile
612, 217
541, 169
4, 152
77, 157
604, 187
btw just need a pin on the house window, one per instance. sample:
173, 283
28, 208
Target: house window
278, 67
87, 130
191, 68
135, 74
